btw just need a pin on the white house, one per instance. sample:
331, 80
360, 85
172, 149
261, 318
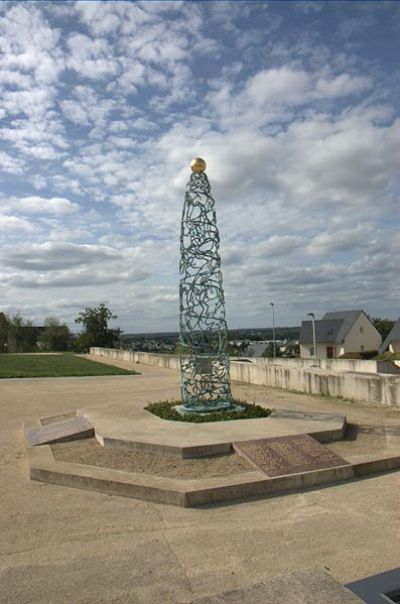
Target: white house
338, 333
392, 342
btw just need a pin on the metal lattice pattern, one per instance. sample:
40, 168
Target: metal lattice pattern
204, 359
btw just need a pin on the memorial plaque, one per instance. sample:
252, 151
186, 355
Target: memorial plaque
76, 427
288, 455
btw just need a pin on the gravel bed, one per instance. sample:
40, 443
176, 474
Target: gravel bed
89, 452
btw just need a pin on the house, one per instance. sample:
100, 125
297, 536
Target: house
338, 333
392, 341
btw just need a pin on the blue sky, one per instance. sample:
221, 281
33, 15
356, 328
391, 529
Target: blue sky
294, 106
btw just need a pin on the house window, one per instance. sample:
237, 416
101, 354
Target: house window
361, 329
312, 351
362, 348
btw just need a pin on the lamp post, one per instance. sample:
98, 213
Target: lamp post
273, 328
311, 314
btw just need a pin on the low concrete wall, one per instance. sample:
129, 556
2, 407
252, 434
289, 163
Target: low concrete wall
375, 388
340, 365
167, 361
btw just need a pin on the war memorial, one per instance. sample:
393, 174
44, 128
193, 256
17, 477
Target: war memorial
265, 465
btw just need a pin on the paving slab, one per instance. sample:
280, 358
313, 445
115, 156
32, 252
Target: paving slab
59, 431
307, 587
288, 455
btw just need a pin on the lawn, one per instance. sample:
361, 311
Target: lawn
62, 365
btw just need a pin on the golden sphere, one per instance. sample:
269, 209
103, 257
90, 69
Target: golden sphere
198, 165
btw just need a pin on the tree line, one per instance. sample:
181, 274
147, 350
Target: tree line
20, 335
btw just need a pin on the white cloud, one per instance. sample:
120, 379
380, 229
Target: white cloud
77, 278
56, 256
271, 95
65, 265
38, 205
91, 58
345, 240
279, 245
33, 102
282, 85
101, 18
341, 85
29, 44
13, 223
11, 164
75, 112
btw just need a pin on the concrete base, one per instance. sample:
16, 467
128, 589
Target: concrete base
146, 432
188, 493
223, 406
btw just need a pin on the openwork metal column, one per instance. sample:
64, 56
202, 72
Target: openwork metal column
204, 360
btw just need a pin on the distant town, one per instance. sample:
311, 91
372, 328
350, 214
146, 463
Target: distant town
338, 334
245, 342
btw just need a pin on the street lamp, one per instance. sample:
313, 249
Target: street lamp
311, 314
273, 327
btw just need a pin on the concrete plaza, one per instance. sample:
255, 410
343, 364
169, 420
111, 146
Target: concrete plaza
60, 544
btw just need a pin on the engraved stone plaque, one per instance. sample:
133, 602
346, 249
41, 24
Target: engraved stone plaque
288, 455
76, 427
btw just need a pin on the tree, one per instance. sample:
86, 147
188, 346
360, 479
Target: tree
56, 336
4, 330
22, 335
96, 331
382, 325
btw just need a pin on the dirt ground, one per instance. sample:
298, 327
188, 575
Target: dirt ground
89, 452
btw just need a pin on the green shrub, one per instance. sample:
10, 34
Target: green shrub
165, 410
389, 356
365, 355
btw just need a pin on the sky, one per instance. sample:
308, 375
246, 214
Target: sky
293, 105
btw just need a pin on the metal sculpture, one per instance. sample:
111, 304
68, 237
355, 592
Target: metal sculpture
204, 360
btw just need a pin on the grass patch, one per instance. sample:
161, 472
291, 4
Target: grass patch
165, 410
62, 365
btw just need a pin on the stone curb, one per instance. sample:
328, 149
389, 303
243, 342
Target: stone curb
196, 492
188, 493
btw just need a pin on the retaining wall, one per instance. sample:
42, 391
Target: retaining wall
168, 361
378, 389
341, 365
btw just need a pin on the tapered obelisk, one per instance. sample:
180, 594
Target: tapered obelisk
204, 360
